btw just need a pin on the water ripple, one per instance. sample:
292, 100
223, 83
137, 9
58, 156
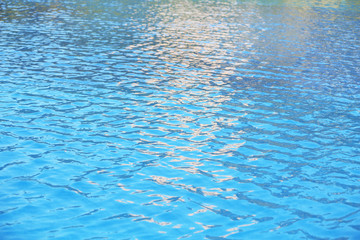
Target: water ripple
179, 119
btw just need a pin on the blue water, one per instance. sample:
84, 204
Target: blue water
179, 119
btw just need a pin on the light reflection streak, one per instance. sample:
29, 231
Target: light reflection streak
199, 211
122, 186
237, 229
138, 218
164, 199
124, 201
206, 227
200, 190
192, 93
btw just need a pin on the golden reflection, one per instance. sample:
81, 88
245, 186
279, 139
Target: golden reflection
140, 218
124, 201
164, 180
229, 148
93, 183
206, 227
315, 3
201, 190
141, 191
231, 197
152, 152
208, 193
186, 42
182, 158
275, 229
199, 211
165, 200
177, 226
229, 178
196, 163
193, 56
122, 186
237, 229
186, 148
192, 170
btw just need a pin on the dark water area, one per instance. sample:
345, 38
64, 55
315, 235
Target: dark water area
179, 119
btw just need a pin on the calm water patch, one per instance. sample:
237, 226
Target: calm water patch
179, 119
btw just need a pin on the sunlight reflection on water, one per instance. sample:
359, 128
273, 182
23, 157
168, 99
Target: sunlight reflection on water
179, 119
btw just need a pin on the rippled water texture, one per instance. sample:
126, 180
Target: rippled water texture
179, 119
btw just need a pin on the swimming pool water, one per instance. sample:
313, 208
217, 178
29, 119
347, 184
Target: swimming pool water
179, 119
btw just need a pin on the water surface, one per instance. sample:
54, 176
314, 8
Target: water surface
179, 119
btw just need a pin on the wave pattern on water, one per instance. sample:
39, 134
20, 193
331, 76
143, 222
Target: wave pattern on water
179, 119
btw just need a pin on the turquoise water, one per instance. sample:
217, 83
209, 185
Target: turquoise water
179, 119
